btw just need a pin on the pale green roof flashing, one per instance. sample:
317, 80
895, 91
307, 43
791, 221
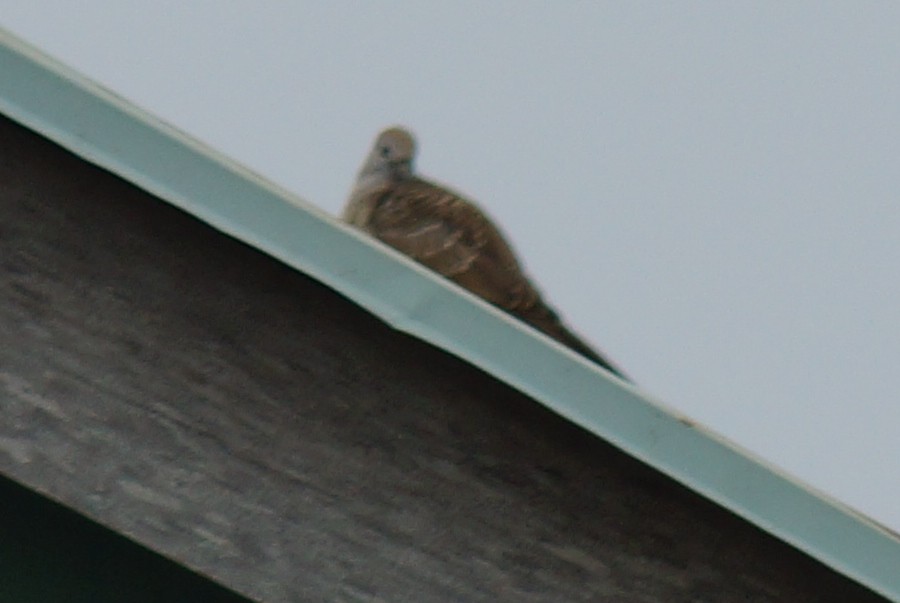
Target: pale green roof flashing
106, 130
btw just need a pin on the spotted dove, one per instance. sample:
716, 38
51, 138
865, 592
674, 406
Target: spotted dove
449, 234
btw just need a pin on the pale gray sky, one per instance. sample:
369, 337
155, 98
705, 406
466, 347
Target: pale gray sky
706, 190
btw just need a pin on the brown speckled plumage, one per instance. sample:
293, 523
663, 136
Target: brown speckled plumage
449, 234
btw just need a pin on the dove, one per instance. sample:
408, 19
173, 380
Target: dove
449, 234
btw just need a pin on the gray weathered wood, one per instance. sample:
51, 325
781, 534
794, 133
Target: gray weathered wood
248, 422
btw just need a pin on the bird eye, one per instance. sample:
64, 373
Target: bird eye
385, 151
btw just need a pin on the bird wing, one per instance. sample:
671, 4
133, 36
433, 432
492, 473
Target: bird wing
453, 237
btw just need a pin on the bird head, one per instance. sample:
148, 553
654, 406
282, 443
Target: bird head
392, 154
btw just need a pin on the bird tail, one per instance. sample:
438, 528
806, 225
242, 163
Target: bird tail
572, 341
546, 320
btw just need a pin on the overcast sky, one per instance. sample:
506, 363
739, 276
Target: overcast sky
707, 191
